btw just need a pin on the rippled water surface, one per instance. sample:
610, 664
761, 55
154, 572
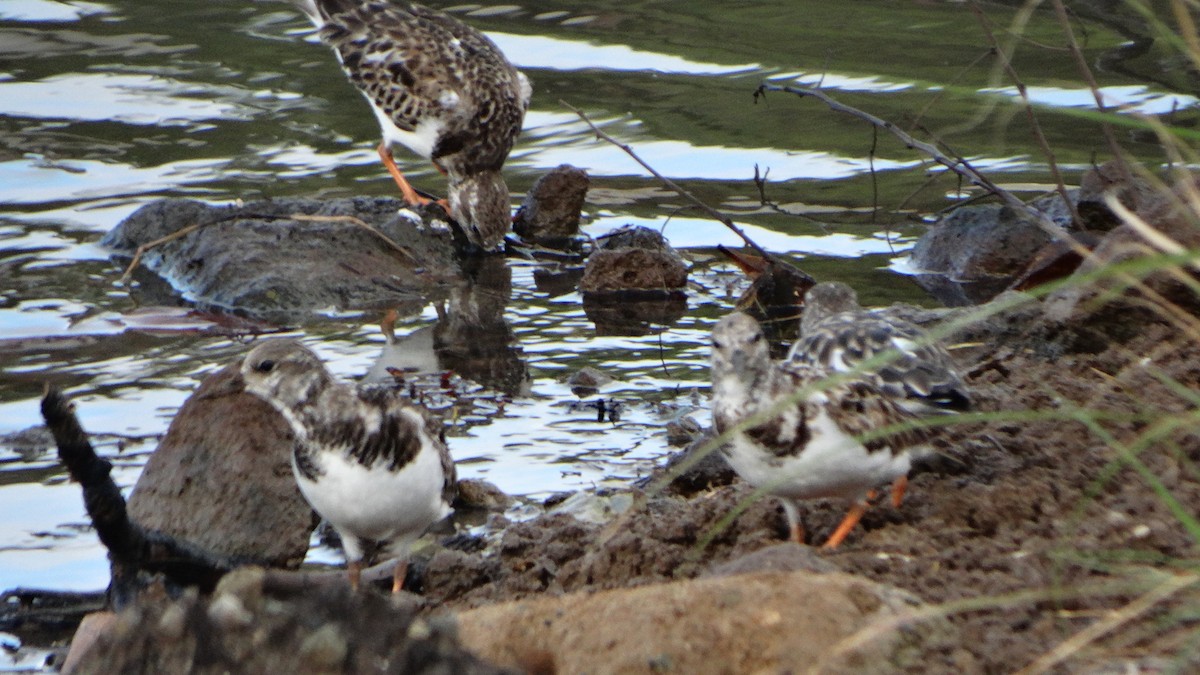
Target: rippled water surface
106, 106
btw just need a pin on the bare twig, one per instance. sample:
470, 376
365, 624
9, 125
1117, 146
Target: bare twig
710, 211
1085, 72
141, 250
958, 165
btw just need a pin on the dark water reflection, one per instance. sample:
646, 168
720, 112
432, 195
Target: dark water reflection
105, 106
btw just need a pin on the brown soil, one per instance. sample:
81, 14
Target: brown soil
1019, 507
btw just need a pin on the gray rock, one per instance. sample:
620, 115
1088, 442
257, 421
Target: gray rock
221, 478
257, 259
634, 261
551, 210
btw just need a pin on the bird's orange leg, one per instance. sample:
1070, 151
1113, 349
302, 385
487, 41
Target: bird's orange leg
354, 571
856, 513
410, 195
899, 487
797, 533
398, 574
406, 190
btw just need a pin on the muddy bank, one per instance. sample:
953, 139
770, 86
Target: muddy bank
1031, 525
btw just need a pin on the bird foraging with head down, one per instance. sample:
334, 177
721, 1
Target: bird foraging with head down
440, 88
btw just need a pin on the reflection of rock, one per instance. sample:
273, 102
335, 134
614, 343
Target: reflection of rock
550, 213
557, 280
256, 259
632, 316
222, 478
472, 337
748, 623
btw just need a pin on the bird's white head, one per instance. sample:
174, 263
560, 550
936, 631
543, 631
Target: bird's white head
479, 202
284, 373
740, 352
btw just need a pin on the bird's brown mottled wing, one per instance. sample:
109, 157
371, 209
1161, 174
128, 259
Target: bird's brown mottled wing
920, 370
864, 412
415, 64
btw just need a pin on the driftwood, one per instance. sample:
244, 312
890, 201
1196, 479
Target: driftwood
138, 554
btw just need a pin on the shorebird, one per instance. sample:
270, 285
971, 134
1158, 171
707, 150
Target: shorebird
839, 336
799, 437
441, 89
371, 464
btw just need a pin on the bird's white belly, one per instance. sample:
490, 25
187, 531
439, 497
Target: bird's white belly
421, 140
375, 503
832, 465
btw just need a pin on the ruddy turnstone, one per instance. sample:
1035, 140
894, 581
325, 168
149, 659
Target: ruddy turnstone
838, 336
440, 88
370, 463
799, 437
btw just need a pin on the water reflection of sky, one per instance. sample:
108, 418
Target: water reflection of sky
1125, 99
47, 10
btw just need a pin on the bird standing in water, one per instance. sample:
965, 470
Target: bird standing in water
441, 89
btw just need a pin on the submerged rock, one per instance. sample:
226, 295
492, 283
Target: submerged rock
343, 254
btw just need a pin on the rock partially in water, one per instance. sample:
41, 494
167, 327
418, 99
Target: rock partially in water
974, 253
258, 259
766, 622
635, 261
222, 478
551, 211
587, 381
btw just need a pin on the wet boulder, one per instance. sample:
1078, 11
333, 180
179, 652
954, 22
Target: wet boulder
634, 261
278, 258
975, 252
551, 211
633, 281
222, 478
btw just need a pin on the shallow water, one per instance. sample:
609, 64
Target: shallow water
106, 106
